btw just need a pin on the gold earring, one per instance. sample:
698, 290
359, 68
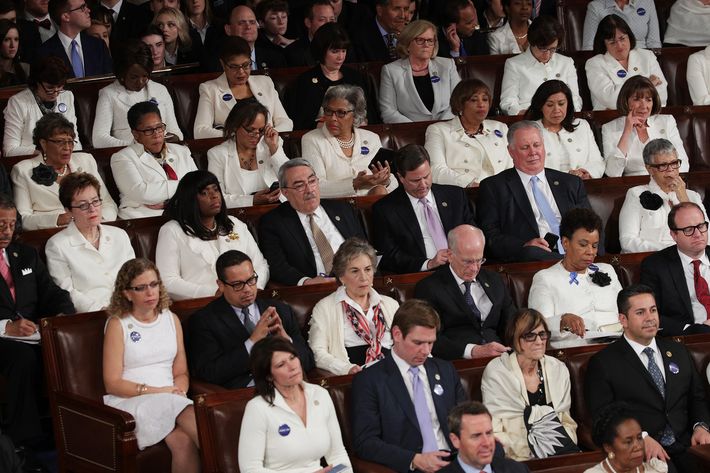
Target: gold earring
611, 455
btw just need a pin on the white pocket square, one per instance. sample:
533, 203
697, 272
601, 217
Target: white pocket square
26, 271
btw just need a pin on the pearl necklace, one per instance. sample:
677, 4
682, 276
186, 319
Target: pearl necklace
521, 37
214, 227
608, 464
346, 144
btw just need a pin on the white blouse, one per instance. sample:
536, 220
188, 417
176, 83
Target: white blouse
571, 150
698, 77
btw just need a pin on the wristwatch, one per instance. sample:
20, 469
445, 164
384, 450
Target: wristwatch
701, 424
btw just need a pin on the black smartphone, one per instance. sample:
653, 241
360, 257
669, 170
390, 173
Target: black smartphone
449, 457
551, 240
384, 156
274, 186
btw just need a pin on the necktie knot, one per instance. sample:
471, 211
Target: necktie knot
648, 351
414, 371
696, 264
46, 24
467, 285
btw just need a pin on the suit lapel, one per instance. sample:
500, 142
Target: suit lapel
434, 378
632, 359
399, 390
292, 223
667, 356
16, 271
444, 208
407, 215
230, 319
450, 283
520, 197
677, 273
339, 221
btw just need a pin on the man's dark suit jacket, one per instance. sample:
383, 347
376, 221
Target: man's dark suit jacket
369, 44
474, 45
459, 327
617, 374
499, 465
97, 59
507, 218
663, 272
31, 40
384, 423
299, 54
266, 58
284, 243
131, 22
216, 351
397, 233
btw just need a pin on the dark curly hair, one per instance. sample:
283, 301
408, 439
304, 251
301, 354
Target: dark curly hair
579, 218
608, 420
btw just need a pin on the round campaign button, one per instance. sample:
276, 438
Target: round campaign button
62, 107
227, 97
673, 368
153, 100
364, 150
498, 133
135, 336
284, 430
641, 11
621, 73
435, 79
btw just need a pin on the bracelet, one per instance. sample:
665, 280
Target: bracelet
141, 389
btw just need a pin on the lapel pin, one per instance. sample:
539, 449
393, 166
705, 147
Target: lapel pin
316, 403
438, 390
486, 284
130, 326
569, 140
557, 75
14, 254
557, 183
259, 94
314, 80
261, 161
364, 142
437, 377
444, 204
337, 218
669, 354
663, 131
673, 368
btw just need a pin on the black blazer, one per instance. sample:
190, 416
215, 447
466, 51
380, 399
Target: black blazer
499, 465
507, 218
36, 294
459, 327
384, 423
216, 337
298, 53
617, 374
474, 45
97, 60
370, 46
663, 272
131, 22
284, 243
31, 40
268, 58
397, 234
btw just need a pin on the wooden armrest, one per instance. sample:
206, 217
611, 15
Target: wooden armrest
198, 386
702, 455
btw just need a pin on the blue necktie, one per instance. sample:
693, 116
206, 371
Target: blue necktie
76, 63
667, 436
468, 297
426, 428
545, 209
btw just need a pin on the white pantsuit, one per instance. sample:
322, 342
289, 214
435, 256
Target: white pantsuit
572, 150
698, 77
217, 100
88, 273
111, 122
21, 115
39, 205
457, 159
142, 180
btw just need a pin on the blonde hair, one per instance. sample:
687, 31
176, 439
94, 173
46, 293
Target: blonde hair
413, 30
184, 40
131, 269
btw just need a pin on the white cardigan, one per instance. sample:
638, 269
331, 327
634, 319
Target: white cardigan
223, 162
698, 76
571, 150
39, 205
111, 122
187, 264
217, 100
449, 149
335, 170
21, 116
87, 273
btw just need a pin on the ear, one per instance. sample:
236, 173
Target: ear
623, 320
566, 243
228, 30
397, 334
455, 441
127, 295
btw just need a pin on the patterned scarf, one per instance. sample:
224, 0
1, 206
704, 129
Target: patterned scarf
362, 329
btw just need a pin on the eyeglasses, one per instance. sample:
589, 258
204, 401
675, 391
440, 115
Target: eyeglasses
246, 67
244, 23
547, 50
62, 143
531, 336
301, 186
423, 41
143, 287
52, 90
473, 262
151, 131
5, 225
87, 205
254, 131
619, 39
688, 231
83, 7
663, 167
239, 285
329, 112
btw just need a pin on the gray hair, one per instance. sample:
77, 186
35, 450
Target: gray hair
522, 125
658, 146
349, 250
452, 238
291, 163
352, 94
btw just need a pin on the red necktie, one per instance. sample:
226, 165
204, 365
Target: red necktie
7, 275
701, 287
46, 24
172, 176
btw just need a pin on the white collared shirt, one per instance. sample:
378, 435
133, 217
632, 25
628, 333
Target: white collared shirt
331, 234
44, 34
351, 338
700, 315
254, 65
638, 349
66, 43
419, 211
254, 316
544, 186
480, 298
403, 367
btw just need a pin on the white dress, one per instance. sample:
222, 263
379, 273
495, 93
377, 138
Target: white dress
149, 352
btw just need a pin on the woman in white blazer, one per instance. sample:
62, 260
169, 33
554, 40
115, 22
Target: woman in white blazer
512, 37
36, 180
248, 162
340, 152
569, 143
350, 328
236, 84
468, 148
84, 258
148, 171
643, 220
624, 138
641, 15
133, 67
199, 231
45, 94
417, 87
577, 295
698, 76
688, 24
524, 73
617, 59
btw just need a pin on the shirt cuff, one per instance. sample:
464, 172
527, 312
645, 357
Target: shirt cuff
424, 266
455, 53
3, 325
301, 281
467, 351
248, 344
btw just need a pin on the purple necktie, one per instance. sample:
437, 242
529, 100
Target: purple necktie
423, 417
436, 229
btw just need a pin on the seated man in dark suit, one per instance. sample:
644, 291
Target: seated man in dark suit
679, 274
459, 32
656, 377
473, 303
221, 334
298, 53
400, 404
128, 20
27, 293
376, 40
411, 223
472, 435
520, 209
82, 53
35, 27
300, 237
